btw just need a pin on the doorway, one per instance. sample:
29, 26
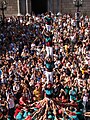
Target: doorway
39, 6
22, 7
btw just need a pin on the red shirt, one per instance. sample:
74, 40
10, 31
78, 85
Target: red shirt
17, 111
28, 117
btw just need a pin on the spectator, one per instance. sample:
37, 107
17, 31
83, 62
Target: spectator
44, 64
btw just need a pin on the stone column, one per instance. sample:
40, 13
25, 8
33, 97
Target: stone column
51, 5
18, 6
30, 7
58, 6
61, 6
48, 5
27, 10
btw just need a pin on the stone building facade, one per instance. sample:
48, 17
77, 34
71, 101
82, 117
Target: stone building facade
17, 7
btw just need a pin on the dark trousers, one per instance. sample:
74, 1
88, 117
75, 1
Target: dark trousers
11, 113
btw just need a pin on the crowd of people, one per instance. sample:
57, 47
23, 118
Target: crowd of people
44, 67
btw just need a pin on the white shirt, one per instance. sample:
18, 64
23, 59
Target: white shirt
85, 98
16, 87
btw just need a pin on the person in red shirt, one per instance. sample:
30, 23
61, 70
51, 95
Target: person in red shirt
23, 100
28, 118
18, 109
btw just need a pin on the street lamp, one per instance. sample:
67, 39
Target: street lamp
78, 4
3, 7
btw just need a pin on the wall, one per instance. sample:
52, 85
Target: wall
11, 7
64, 6
68, 7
